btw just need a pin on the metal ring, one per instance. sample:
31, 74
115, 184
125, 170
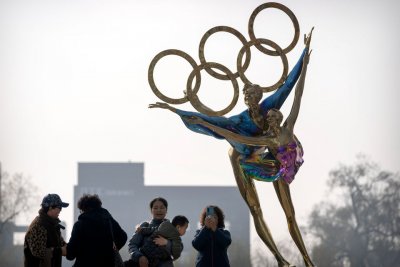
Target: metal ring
278, 50
151, 75
292, 18
203, 42
195, 101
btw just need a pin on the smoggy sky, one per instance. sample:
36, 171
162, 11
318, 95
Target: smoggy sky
73, 88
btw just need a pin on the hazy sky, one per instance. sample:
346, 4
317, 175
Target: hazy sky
73, 88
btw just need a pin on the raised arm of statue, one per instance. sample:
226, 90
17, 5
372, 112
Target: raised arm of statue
294, 112
277, 99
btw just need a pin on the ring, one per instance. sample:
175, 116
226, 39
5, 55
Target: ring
292, 18
278, 51
194, 99
153, 86
203, 42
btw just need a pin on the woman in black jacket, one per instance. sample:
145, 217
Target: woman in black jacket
91, 242
212, 240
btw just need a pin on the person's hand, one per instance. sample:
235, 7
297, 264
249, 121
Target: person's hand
138, 228
143, 261
160, 241
160, 105
193, 119
211, 222
64, 250
307, 39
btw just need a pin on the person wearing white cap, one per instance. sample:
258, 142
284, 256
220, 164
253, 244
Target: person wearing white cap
44, 245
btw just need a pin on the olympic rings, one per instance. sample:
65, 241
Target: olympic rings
195, 101
292, 18
191, 93
278, 51
153, 86
222, 29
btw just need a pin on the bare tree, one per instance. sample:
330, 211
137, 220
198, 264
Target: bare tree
16, 192
361, 227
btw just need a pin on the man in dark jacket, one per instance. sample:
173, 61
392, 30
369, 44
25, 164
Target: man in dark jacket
43, 241
92, 237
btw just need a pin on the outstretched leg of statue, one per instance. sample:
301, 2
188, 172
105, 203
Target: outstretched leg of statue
283, 191
249, 194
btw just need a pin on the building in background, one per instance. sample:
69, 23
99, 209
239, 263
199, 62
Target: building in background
11, 251
122, 191
12, 244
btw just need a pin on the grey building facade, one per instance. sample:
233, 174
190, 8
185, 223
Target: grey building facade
11, 254
122, 191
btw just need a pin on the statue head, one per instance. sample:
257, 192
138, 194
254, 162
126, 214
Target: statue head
274, 117
252, 94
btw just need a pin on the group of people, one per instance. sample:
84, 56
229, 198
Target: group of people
96, 236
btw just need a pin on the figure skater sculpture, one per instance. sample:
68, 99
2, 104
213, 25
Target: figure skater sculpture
261, 149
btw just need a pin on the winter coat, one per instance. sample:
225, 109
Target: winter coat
43, 242
91, 242
138, 240
212, 247
155, 253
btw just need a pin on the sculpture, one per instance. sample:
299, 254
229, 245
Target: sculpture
261, 148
